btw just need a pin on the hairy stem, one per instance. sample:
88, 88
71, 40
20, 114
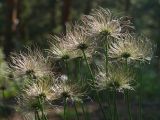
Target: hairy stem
128, 104
89, 68
106, 57
140, 94
64, 109
83, 110
37, 117
67, 68
115, 106
100, 105
93, 78
106, 69
75, 108
127, 96
3, 95
40, 100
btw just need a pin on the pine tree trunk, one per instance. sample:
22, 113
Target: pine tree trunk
65, 12
11, 22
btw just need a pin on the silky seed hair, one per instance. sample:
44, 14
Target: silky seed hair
133, 48
42, 86
78, 41
33, 90
102, 22
118, 78
69, 90
59, 49
30, 63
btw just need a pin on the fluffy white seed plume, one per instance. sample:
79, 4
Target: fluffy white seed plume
102, 22
78, 41
59, 49
69, 90
119, 78
42, 86
30, 63
132, 48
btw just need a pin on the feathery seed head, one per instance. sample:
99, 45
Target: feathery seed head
42, 87
102, 22
132, 48
118, 78
31, 63
34, 91
78, 41
68, 90
60, 50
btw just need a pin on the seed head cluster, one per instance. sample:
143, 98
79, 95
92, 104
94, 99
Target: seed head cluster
81, 41
134, 48
118, 78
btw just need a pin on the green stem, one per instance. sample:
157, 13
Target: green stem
97, 94
67, 68
100, 105
75, 108
3, 95
84, 113
109, 112
37, 117
115, 106
106, 69
79, 71
140, 96
127, 97
106, 57
89, 68
40, 100
65, 106
128, 104
111, 106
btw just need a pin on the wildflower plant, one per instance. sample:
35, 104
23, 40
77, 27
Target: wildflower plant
119, 78
82, 41
59, 49
102, 22
78, 41
32, 63
69, 90
132, 48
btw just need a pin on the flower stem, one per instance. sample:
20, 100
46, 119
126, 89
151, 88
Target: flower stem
84, 113
115, 106
106, 68
40, 100
106, 57
75, 108
64, 108
97, 94
140, 95
128, 104
3, 95
67, 68
100, 105
127, 97
109, 112
89, 68
37, 115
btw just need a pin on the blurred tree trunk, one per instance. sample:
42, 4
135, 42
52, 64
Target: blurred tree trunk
66, 5
11, 22
88, 8
19, 30
52, 4
127, 5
